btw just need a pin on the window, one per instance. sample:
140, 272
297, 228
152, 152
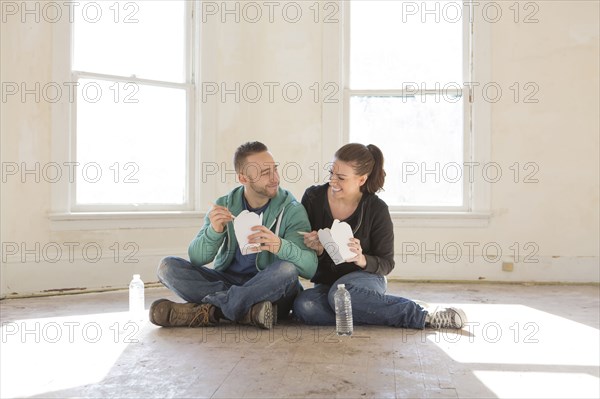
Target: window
405, 68
133, 117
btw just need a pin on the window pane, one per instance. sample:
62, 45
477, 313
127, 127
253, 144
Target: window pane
139, 148
390, 45
143, 38
415, 137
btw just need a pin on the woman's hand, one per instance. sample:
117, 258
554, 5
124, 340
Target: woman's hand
311, 240
360, 260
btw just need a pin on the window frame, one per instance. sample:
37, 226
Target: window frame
188, 85
476, 143
64, 213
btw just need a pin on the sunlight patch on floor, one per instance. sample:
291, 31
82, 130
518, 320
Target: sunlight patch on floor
517, 334
62, 352
519, 351
510, 384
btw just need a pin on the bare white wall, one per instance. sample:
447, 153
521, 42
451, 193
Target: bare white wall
559, 215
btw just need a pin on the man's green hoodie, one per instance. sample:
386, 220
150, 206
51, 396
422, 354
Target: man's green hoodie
284, 216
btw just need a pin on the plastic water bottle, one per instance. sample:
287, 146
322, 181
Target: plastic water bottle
136, 297
343, 311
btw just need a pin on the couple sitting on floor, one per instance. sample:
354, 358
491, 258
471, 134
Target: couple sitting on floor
262, 286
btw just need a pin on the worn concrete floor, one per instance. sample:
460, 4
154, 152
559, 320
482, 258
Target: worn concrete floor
522, 341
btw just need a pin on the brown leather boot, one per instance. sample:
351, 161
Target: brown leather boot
166, 313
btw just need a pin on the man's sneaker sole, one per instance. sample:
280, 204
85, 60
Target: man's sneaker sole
262, 315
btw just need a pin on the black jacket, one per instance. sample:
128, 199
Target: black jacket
371, 224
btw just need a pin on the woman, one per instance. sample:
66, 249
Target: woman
356, 175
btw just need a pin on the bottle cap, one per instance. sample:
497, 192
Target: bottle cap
341, 285
136, 276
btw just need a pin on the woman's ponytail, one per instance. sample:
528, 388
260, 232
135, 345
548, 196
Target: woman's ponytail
377, 177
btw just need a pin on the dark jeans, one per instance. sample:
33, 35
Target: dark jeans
234, 294
370, 303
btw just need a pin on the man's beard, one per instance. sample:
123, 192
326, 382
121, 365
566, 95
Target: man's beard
264, 191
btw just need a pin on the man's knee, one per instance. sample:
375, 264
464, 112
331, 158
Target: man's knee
166, 264
284, 270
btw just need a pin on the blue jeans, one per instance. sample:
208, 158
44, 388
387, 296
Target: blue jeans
370, 303
234, 294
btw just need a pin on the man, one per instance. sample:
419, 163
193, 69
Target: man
248, 289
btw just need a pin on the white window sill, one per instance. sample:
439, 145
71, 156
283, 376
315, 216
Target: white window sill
125, 220
440, 219
177, 219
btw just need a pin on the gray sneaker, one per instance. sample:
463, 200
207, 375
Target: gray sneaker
166, 313
446, 318
260, 315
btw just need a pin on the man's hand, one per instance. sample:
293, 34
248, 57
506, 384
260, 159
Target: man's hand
219, 216
266, 238
311, 240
